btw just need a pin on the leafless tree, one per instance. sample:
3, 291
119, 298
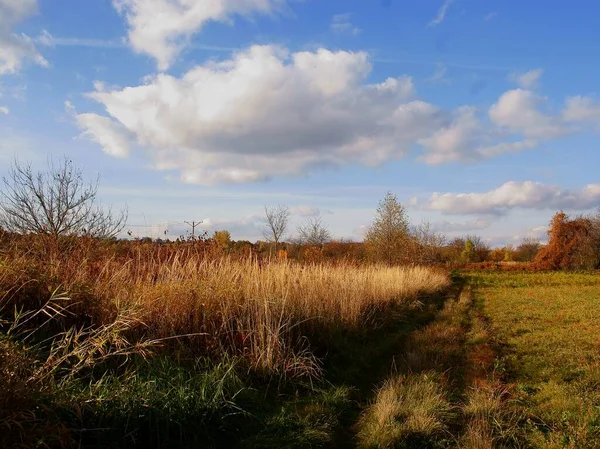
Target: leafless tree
428, 243
55, 202
313, 231
276, 223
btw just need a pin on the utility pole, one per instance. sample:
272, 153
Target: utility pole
193, 224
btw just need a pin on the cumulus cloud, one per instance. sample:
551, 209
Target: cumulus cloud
581, 109
527, 194
464, 137
519, 111
16, 49
163, 28
112, 137
341, 24
4, 110
527, 80
267, 112
441, 15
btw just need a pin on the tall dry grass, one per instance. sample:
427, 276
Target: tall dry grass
265, 312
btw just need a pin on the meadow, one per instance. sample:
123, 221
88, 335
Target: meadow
547, 324
129, 344
112, 345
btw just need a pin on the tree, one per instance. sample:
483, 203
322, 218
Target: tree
56, 202
388, 236
276, 223
222, 239
468, 253
314, 232
528, 249
570, 244
428, 243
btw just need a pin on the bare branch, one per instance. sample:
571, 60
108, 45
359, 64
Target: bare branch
276, 223
55, 202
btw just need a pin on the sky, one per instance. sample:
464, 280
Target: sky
481, 116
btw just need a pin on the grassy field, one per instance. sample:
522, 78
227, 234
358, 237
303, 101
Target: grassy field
107, 345
142, 346
548, 326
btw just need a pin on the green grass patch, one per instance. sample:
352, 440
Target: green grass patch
549, 325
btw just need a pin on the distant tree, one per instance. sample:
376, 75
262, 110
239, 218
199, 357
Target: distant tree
508, 253
571, 244
481, 250
276, 223
528, 249
222, 239
314, 232
427, 244
388, 237
468, 253
56, 202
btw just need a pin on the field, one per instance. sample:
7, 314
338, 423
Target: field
548, 326
124, 345
108, 344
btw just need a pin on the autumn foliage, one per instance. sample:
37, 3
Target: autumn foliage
573, 244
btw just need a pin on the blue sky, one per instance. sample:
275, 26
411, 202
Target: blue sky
483, 117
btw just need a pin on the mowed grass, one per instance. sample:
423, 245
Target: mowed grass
550, 326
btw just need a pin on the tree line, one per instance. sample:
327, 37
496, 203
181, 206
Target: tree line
58, 203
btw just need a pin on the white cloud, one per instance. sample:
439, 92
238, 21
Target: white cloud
266, 113
441, 15
107, 133
163, 28
341, 24
490, 16
528, 195
471, 225
114, 139
518, 111
537, 232
16, 49
465, 138
527, 80
581, 109
4, 110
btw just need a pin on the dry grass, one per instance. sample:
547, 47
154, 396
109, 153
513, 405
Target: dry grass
412, 407
73, 321
262, 311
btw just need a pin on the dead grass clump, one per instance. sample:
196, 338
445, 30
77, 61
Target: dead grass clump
412, 407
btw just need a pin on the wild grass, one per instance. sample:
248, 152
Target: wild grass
549, 325
263, 311
176, 345
411, 409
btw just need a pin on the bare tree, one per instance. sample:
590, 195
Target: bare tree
276, 223
428, 243
313, 231
56, 202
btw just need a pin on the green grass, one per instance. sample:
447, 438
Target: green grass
549, 326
